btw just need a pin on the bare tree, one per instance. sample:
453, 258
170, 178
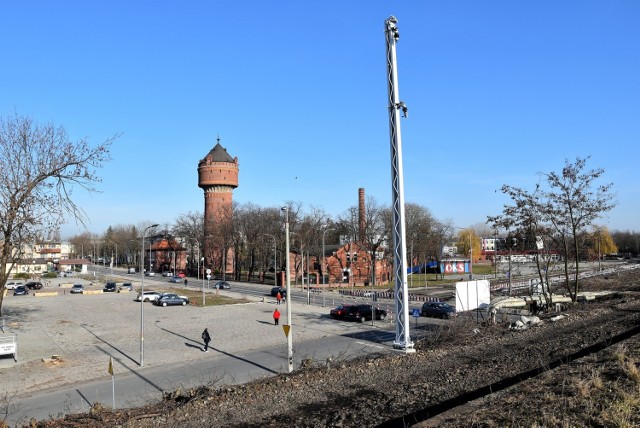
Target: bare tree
526, 218
574, 201
39, 169
562, 213
190, 227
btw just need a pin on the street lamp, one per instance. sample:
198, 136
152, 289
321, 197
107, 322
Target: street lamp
289, 297
142, 293
275, 262
324, 264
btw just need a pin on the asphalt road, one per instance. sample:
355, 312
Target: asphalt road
86, 330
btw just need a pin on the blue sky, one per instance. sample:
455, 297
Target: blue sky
497, 91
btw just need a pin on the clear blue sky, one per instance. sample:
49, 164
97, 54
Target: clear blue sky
497, 91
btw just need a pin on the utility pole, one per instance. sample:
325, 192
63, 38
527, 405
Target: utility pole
403, 339
289, 297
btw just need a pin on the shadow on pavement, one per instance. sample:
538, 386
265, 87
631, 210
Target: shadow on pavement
201, 345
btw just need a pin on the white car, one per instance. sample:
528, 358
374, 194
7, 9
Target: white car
149, 296
12, 285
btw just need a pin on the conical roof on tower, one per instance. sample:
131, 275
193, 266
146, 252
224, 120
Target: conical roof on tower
219, 154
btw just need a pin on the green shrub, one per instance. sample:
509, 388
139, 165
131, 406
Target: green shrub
50, 275
21, 275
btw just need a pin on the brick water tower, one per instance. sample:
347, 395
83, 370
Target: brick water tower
217, 176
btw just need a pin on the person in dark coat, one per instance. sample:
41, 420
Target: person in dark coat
276, 316
206, 338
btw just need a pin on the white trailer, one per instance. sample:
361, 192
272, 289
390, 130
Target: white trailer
9, 345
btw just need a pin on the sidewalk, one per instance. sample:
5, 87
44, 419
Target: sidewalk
84, 331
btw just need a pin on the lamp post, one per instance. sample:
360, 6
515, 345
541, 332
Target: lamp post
470, 257
202, 260
324, 263
142, 294
290, 334
275, 262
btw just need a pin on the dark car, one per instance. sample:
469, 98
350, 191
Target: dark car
20, 290
438, 310
364, 313
339, 312
168, 299
33, 285
276, 290
109, 287
223, 285
77, 288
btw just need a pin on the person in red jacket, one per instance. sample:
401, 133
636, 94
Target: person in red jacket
278, 297
276, 316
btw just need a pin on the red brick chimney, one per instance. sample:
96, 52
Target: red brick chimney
361, 216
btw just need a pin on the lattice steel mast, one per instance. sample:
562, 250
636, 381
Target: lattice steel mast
403, 338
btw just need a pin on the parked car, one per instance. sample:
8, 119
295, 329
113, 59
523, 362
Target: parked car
339, 312
127, 286
131, 270
224, 285
33, 285
20, 290
438, 310
77, 288
149, 273
167, 273
364, 313
276, 290
12, 284
149, 296
168, 299
176, 279
109, 287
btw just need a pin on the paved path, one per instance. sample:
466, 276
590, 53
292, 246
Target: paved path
86, 330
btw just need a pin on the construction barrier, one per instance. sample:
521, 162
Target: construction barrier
388, 295
44, 293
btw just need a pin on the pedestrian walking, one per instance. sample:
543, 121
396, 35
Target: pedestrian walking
276, 316
206, 338
278, 297
185, 282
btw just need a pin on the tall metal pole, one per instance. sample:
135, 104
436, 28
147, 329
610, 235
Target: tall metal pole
290, 335
411, 263
142, 295
403, 339
470, 256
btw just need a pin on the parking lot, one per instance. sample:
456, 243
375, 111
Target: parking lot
83, 331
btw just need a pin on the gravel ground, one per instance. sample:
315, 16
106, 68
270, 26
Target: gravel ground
455, 361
